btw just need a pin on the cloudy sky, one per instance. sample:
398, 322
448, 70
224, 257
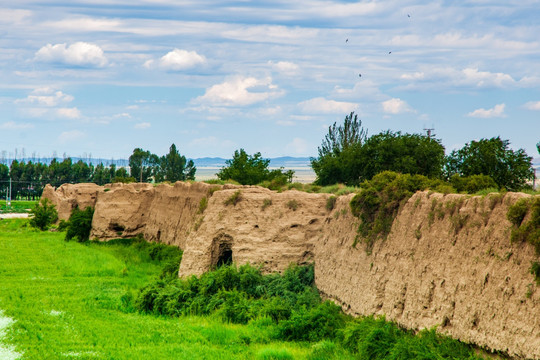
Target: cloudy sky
102, 77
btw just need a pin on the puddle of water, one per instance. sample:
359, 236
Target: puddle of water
6, 352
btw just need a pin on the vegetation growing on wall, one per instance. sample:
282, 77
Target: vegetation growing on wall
380, 199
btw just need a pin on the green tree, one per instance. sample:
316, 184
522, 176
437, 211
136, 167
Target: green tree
174, 167
492, 157
336, 161
414, 154
143, 164
251, 169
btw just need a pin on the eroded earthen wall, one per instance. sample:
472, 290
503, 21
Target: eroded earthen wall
448, 261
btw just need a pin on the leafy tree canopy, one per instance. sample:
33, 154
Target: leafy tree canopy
348, 156
172, 167
250, 169
492, 157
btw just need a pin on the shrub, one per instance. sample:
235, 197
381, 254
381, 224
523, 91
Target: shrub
379, 201
530, 230
234, 198
318, 323
80, 224
517, 212
44, 214
472, 184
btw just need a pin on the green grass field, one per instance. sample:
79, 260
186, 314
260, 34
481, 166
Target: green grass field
17, 206
66, 300
70, 300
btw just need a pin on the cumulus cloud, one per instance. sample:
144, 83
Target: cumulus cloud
497, 111
177, 60
532, 105
46, 97
70, 136
12, 125
69, 113
240, 91
396, 106
77, 54
322, 105
142, 126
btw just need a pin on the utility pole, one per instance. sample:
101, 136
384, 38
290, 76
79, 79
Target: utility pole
430, 132
9, 196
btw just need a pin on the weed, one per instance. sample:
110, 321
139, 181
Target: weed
203, 204
293, 205
266, 203
535, 270
331, 203
234, 198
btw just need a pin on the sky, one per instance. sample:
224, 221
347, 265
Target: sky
101, 77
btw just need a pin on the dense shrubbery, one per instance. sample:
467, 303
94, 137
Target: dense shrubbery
79, 224
290, 309
44, 214
526, 230
472, 184
380, 199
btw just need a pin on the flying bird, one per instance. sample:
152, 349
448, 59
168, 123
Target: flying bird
389, 52
408, 15
359, 75
346, 40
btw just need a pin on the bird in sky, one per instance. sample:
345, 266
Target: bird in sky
389, 52
346, 40
359, 75
408, 15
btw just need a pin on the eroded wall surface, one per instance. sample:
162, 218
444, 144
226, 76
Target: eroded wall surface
448, 261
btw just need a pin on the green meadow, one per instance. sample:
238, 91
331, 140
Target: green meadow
70, 300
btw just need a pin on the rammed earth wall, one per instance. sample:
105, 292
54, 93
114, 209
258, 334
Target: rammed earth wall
448, 261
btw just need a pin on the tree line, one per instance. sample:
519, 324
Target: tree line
27, 179
348, 155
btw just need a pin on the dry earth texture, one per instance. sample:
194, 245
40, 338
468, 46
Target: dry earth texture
448, 261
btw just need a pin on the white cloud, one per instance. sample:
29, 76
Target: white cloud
13, 15
78, 54
70, 113
70, 136
142, 126
177, 60
322, 105
396, 106
12, 125
46, 97
235, 92
285, 67
419, 75
497, 111
532, 105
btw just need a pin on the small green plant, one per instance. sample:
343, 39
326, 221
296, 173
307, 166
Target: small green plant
80, 224
293, 205
517, 212
535, 270
203, 204
331, 203
43, 214
234, 198
266, 203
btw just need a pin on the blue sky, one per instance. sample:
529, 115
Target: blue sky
102, 77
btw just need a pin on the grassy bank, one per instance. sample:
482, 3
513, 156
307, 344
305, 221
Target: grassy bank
79, 300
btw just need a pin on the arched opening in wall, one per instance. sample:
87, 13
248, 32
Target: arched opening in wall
222, 253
